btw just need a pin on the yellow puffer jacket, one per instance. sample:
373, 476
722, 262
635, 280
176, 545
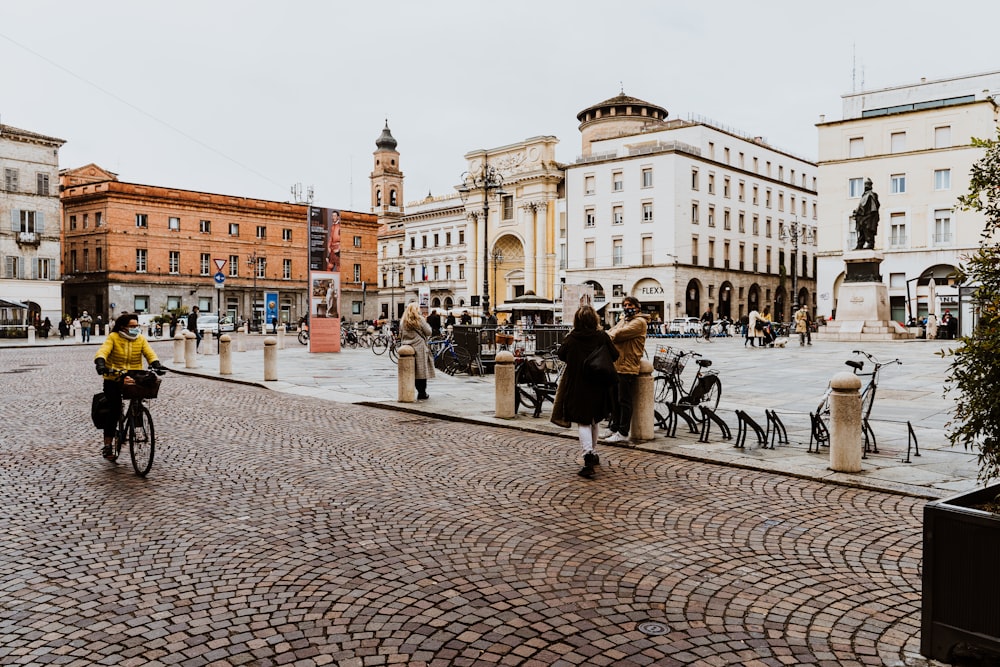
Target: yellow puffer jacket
122, 354
629, 337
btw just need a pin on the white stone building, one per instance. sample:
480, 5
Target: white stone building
686, 215
30, 229
913, 142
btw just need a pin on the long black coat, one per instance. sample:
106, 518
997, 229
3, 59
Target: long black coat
578, 400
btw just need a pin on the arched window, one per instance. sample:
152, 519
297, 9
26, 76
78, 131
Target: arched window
378, 196
392, 198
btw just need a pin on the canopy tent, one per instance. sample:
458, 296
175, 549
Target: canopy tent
530, 304
10, 303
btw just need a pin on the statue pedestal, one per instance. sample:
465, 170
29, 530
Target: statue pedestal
863, 312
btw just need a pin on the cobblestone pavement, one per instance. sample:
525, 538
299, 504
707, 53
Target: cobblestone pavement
277, 529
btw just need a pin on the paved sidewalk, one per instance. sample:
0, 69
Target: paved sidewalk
788, 380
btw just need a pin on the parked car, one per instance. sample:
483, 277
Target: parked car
685, 325
211, 324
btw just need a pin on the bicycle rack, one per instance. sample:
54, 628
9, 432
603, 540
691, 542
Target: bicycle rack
775, 428
707, 417
684, 412
911, 439
741, 434
818, 433
870, 444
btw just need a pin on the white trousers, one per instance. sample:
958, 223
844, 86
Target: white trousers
588, 436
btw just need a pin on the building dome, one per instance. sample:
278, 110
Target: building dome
385, 140
616, 117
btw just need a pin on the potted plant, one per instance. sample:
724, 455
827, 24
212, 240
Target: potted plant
961, 568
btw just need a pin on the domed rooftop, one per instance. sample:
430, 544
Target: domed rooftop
622, 105
385, 140
619, 116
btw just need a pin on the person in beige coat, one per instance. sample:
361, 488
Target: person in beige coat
629, 337
414, 331
802, 322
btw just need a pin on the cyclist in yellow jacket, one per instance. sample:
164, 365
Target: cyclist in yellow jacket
123, 350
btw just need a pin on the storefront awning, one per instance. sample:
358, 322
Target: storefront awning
10, 303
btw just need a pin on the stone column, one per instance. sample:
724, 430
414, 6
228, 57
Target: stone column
406, 388
270, 359
643, 417
504, 385
541, 250
225, 355
527, 225
845, 423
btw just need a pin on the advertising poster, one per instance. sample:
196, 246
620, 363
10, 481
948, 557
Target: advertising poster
324, 280
575, 296
271, 310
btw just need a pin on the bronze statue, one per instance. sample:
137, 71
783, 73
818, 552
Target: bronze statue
866, 217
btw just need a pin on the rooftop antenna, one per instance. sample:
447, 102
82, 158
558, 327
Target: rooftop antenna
310, 194
621, 86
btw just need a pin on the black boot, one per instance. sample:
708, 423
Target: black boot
421, 386
589, 461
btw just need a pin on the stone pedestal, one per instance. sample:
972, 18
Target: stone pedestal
863, 312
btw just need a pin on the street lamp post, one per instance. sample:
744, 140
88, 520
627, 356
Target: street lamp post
393, 270
252, 262
488, 180
497, 260
792, 233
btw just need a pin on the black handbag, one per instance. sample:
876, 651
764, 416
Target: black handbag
599, 367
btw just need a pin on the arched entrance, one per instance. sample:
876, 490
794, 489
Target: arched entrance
692, 298
753, 298
507, 269
803, 299
726, 300
651, 295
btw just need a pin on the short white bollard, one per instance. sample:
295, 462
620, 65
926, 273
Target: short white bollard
241, 341
190, 351
31, 335
643, 413
503, 370
77, 334
179, 347
270, 359
845, 423
406, 379
225, 355
281, 337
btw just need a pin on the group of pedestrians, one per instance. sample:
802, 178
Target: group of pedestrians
758, 327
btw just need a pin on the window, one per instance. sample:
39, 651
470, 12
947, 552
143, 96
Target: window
897, 230
140, 304
617, 291
86, 220
647, 177
756, 198
357, 271
72, 222
234, 266
392, 198
11, 266
767, 227
617, 182
756, 254
447, 271
781, 201
174, 262
72, 261
423, 240
589, 218
647, 250
507, 207
261, 232
694, 250
743, 255
711, 184
616, 250
10, 180
99, 219
261, 267
413, 243
234, 229
725, 187
461, 239
711, 150
897, 142
711, 253
942, 137
742, 191
43, 269
742, 223
942, 179
205, 264
767, 198
756, 225
357, 239
711, 216
726, 222
461, 271
618, 215
942, 227
355, 307
725, 254
173, 302
725, 153
42, 184
694, 213
141, 220
436, 241
647, 211
856, 147
588, 185
174, 224
694, 179
205, 226
589, 255
286, 269
286, 234
897, 184
98, 258
140, 260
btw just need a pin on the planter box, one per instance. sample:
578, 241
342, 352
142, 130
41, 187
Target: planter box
961, 577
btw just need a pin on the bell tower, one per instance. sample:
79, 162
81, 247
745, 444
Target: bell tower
387, 179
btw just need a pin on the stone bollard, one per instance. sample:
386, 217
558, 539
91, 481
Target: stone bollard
190, 351
31, 335
77, 334
225, 355
845, 423
179, 347
241, 341
281, 337
246, 328
270, 359
503, 370
643, 417
407, 389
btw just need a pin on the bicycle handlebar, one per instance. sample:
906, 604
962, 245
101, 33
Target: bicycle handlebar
872, 358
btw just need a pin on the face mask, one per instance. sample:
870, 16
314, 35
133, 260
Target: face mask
134, 331
630, 312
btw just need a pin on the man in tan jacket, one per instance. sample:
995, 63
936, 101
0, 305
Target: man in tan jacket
629, 337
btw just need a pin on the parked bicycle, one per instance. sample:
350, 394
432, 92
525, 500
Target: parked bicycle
384, 342
448, 357
536, 378
135, 425
867, 393
668, 386
304, 334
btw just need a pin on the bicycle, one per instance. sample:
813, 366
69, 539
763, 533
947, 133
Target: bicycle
383, 342
668, 386
821, 418
136, 424
304, 334
448, 357
536, 379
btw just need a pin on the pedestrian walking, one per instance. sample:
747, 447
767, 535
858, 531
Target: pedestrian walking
64, 328
86, 321
706, 324
414, 332
581, 399
755, 329
629, 337
434, 320
46, 327
192, 326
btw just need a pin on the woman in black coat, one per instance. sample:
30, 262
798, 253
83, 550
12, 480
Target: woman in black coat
578, 399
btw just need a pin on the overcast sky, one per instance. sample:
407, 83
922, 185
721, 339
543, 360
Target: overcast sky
250, 97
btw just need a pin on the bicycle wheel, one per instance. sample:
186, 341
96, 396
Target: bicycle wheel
711, 387
380, 345
394, 353
303, 337
663, 390
141, 441
461, 361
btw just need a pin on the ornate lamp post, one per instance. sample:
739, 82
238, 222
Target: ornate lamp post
497, 260
793, 233
489, 181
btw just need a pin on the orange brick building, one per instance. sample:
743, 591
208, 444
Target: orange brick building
152, 249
